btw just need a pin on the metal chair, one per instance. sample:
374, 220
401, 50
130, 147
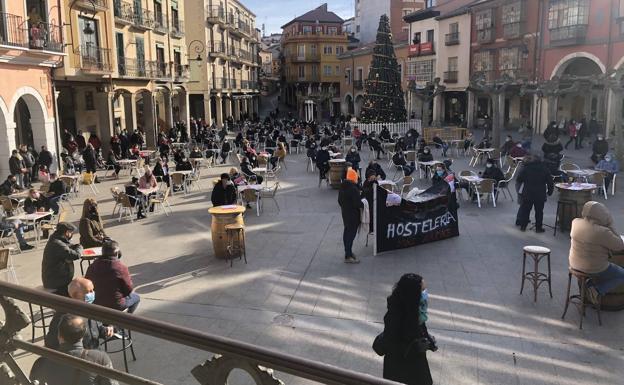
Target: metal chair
486, 186
599, 180
126, 207
406, 185
252, 196
503, 185
269, 194
161, 201
6, 265
178, 179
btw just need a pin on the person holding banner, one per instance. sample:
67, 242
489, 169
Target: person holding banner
350, 205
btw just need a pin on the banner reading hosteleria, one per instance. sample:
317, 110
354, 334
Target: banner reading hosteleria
431, 219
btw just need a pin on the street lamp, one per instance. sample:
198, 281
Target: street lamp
199, 48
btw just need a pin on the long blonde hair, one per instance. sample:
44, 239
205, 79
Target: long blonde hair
86, 210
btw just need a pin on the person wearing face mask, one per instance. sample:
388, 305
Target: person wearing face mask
400, 145
57, 266
35, 202
353, 157
80, 289
398, 159
507, 146
224, 192
609, 165
492, 171
375, 145
91, 228
599, 148
350, 205
112, 281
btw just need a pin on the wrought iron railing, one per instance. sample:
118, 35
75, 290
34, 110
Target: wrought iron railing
44, 36
123, 11
228, 353
215, 14
452, 38
177, 28
158, 69
143, 18
451, 76
181, 71
217, 47
11, 30
222, 83
160, 23
134, 68
92, 58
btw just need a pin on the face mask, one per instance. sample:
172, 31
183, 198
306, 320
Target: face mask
488, 165
440, 172
426, 151
353, 150
608, 159
90, 297
424, 295
600, 138
324, 148
519, 145
507, 140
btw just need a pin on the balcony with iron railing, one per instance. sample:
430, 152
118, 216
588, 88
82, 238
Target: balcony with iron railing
451, 76
159, 70
143, 19
181, 72
177, 28
217, 49
568, 35
215, 15
124, 12
216, 355
132, 68
93, 59
161, 24
451, 38
486, 34
91, 5
305, 57
233, 84
11, 30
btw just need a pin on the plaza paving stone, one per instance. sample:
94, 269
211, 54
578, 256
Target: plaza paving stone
296, 295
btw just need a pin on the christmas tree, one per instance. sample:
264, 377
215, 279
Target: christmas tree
383, 98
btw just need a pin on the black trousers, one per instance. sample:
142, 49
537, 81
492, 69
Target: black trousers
522, 219
348, 236
573, 139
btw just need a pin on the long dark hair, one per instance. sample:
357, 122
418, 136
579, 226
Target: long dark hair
407, 292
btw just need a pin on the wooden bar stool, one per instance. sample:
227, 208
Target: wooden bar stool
580, 300
236, 242
537, 253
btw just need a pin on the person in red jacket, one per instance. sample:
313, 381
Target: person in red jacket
112, 281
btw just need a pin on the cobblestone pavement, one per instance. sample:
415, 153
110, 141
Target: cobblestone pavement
297, 295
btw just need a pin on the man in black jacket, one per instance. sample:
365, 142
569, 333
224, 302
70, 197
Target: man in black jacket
45, 158
17, 168
532, 184
80, 289
350, 205
71, 332
57, 267
9, 186
224, 192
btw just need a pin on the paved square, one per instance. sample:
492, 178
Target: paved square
297, 295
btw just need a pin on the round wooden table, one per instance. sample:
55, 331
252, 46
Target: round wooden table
579, 193
222, 216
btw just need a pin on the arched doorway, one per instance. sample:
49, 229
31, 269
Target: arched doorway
359, 101
588, 100
30, 121
349, 104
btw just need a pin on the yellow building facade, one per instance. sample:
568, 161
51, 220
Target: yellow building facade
126, 67
311, 72
225, 83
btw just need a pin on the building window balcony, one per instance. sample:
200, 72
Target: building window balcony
568, 35
182, 72
451, 76
177, 28
11, 30
159, 70
452, 38
124, 12
91, 58
421, 49
132, 68
358, 84
486, 35
160, 23
215, 15
305, 57
43, 36
513, 30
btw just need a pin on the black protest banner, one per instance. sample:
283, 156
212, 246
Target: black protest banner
415, 223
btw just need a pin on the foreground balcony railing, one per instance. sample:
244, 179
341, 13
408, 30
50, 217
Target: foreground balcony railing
133, 68
11, 31
44, 36
226, 354
160, 23
182, 72
158, 69
177, 28
215, 14
93, 59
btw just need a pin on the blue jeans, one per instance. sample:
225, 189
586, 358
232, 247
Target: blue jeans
609, 279
132, 302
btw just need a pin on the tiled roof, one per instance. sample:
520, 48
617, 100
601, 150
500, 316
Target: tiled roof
320, 14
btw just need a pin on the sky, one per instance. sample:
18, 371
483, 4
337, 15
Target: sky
275, 13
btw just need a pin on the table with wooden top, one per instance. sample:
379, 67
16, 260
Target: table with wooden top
576, 193
222, 216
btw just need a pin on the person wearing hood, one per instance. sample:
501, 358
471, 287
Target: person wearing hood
57, 266
405, 325
532, 184
350, 205
112, 281
507, 146
91, 228
609, 165
353, 157
224, 192
599, 148
492, 171
593, 240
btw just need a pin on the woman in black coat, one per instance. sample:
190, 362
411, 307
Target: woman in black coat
402, 325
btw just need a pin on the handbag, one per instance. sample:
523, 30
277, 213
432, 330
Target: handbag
379, 344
